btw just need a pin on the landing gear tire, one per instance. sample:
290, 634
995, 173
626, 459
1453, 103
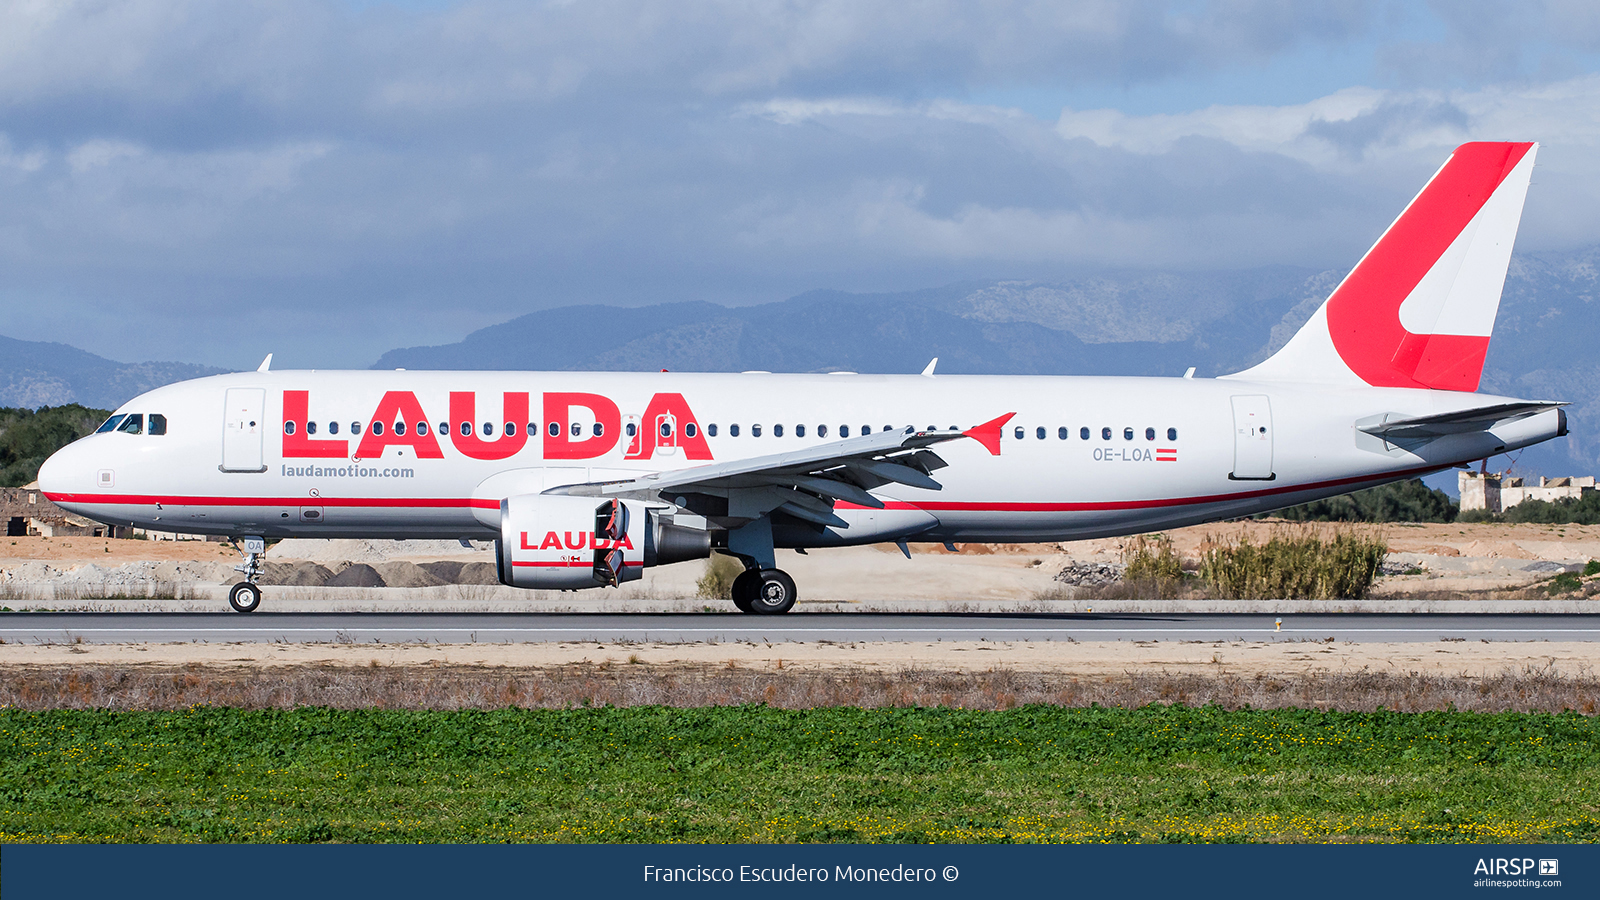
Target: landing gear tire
775, 593
745, 588
244, 597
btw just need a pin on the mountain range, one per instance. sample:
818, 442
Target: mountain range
1118, 323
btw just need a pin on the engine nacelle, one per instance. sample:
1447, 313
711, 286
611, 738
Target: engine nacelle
560, 542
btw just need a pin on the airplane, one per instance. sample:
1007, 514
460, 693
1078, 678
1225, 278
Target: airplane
584, 479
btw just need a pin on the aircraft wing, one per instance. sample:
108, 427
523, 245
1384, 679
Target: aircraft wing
805, 483
1467, 420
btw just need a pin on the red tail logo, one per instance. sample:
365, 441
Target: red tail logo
1364, 312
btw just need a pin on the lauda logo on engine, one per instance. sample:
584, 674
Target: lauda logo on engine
575, 426
575, 540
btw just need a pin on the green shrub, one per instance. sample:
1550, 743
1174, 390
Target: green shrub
1296, 564
1151, 564
1402, 501
717, 582
1476, 516
1583, 510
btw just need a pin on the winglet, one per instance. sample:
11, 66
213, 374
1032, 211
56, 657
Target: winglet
266, 364
929, 370
988, 434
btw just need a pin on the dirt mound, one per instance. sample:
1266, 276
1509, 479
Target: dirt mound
301, 574
357, 575
478, 573
447, 571
407, 575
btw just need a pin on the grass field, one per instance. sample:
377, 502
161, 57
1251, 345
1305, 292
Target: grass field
754, 773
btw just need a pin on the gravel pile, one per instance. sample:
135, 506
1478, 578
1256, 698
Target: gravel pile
1088, 574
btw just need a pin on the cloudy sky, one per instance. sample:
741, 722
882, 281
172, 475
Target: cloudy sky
210, 181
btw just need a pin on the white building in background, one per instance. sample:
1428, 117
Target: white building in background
1495, 494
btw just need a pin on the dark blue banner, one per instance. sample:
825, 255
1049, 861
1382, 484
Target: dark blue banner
246, 872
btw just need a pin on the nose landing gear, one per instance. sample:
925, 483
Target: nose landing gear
246, 595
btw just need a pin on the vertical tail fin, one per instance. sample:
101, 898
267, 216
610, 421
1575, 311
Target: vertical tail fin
1418, 309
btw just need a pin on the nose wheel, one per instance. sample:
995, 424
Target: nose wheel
246, 595
764, 592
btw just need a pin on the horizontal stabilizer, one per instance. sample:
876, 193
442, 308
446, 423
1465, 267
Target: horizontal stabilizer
1461, 422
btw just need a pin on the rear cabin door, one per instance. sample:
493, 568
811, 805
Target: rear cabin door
243, 428
1252, 438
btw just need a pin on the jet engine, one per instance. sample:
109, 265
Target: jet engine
561, 542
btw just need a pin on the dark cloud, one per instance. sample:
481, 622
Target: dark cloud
210, 182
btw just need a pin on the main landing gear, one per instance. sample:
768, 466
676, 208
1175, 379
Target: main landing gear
246, 595
764, 591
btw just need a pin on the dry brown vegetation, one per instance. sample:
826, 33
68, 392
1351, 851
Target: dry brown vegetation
1533, 688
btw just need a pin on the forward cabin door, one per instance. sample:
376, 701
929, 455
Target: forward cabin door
243, 428
1252, 438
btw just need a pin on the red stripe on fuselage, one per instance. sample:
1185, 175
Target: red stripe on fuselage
931, 505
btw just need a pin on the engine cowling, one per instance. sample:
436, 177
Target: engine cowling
560, 542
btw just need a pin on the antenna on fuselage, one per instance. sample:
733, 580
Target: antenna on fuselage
266, 364
929, 370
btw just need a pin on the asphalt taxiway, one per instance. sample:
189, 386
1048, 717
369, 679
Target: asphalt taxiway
464, 628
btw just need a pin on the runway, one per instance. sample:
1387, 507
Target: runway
458, 628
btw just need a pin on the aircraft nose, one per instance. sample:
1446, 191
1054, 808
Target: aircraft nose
66, 471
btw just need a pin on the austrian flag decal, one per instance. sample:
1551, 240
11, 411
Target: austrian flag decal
1166, 454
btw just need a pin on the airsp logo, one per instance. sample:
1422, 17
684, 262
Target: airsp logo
1500, 866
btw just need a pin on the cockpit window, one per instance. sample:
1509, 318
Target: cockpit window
133, 424
158, 423
111, 424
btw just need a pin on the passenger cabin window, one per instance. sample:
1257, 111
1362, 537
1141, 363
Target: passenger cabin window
1039, 432
733, 431
689, 430
712, 429
288, 426
822, 431
866, 429
777, 431
355, 427
755, 431
466, 429
1105, 433
1083, 433
422, 428
311, 428
555, 430
576, 429
333, 427
799, 431
1019, 433
1149, 434
377, 428
666, 429
1172, 434
844, 431
1127, 434
1062, 433
599, 429
158, 423
110, 424
399, 428
488, 429
443, 428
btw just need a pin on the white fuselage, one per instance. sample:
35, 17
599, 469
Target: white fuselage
1174, 456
